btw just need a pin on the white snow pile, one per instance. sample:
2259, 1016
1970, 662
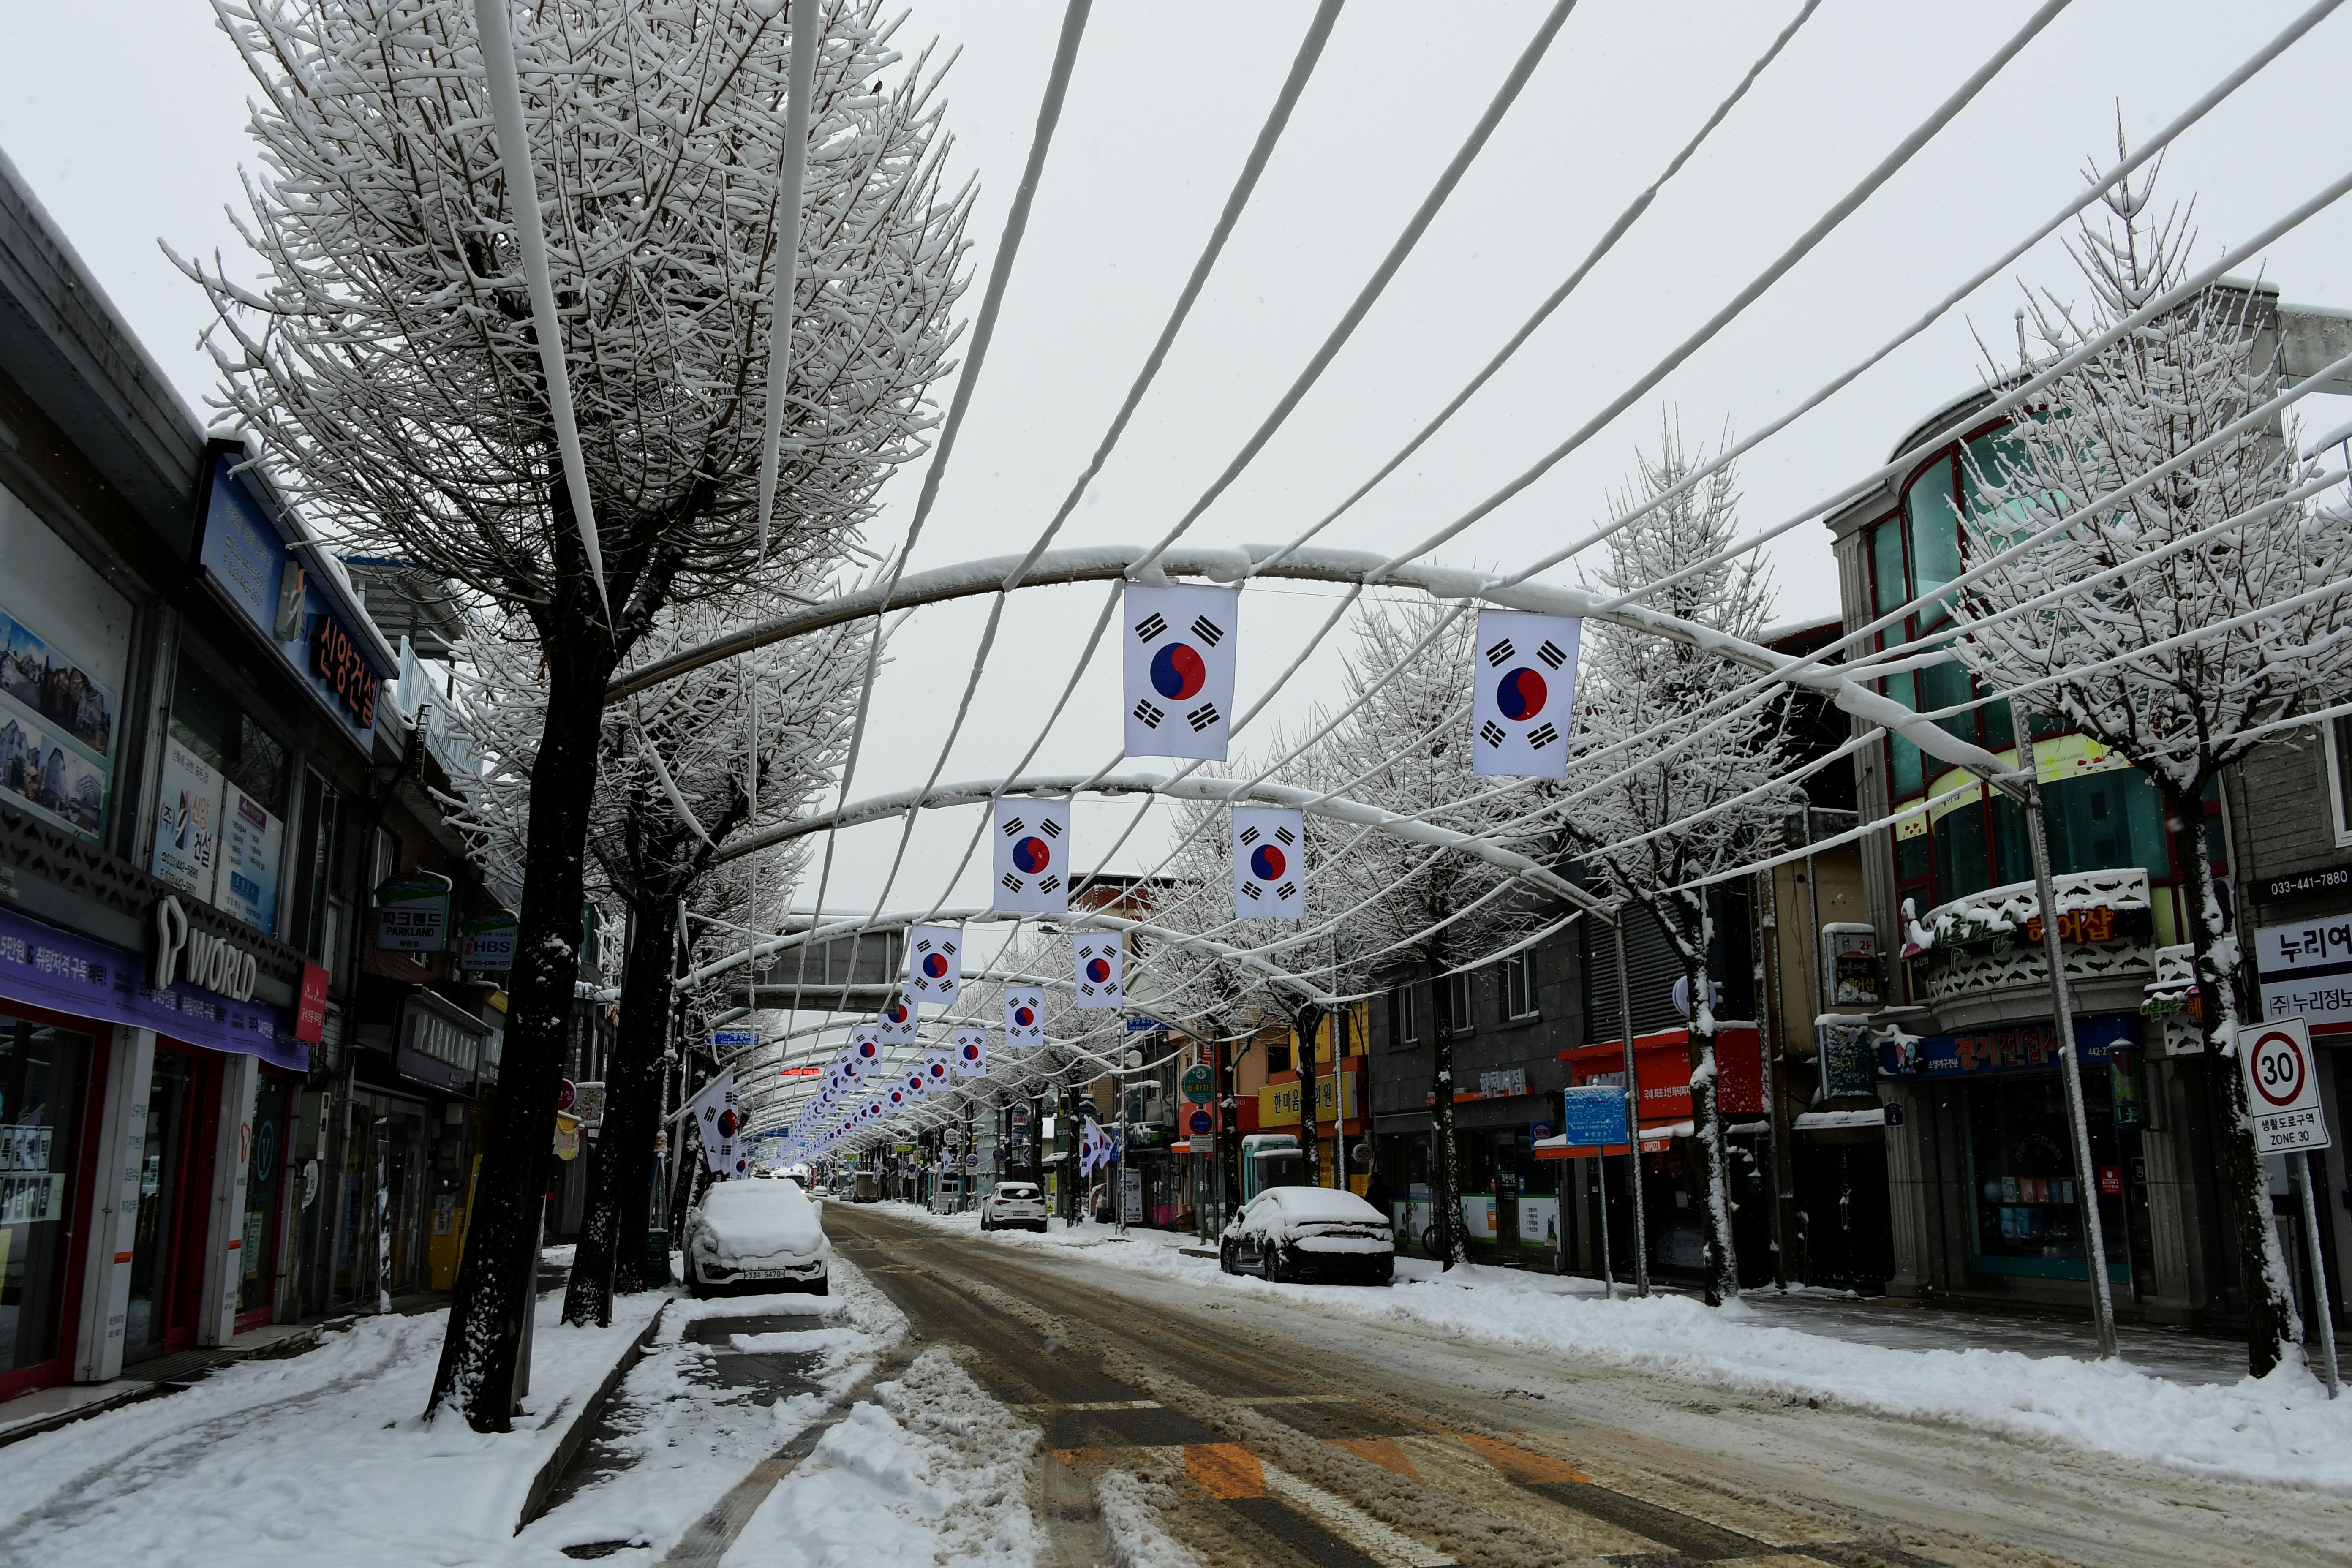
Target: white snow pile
932, 1471
317, 1458
1131, 1511
757, 1224
683, 1442
2281, 1428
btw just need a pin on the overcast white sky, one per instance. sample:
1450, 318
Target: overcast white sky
127, 120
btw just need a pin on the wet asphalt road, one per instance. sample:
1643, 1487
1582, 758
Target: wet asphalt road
1268, 1431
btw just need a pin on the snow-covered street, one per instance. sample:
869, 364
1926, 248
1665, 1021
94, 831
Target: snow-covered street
1087, 1397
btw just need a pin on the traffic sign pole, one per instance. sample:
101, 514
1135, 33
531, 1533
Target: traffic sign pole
2310, 1173
2283, 1093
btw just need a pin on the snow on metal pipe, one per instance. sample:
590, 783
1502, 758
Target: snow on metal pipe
807, 42
530, 239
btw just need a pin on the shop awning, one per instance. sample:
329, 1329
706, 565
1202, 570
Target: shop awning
1826, 1120
1657, 1136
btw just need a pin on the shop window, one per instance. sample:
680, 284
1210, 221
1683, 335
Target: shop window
2339, 776
1907, 776
1961, 862
1455, 988
1277, 1059
2103, 820
1404, 1013
324, 915
1931, 516
2023, 1199
65, 640
40, 1098
208, 722
1519, 984
1891, 583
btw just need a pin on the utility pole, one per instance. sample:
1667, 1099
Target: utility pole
1633, 1108
1310, 1142
2070, 1072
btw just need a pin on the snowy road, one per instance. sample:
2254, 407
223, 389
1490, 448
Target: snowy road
1266, 1425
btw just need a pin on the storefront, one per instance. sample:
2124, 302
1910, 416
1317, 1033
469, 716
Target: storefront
1671, 1165
103, 1069
1997, 1150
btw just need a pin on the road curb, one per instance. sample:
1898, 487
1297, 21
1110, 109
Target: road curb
575, 1434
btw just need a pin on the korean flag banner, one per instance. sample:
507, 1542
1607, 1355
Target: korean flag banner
1269, 862
917, 1083
897, 1025
937, 1068
1024, 1018
971, 1053
865, 1044
1523, 688
853, 1067
1098, 962
1179, 664
935, 962
1032, 850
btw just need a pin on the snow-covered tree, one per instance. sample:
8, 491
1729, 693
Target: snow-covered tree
724, 752
1417, 914
389, 362
2139, 655
1653, 768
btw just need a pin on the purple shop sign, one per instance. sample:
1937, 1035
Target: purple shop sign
45, 967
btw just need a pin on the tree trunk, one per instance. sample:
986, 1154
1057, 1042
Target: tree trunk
1687, 927
2274, 1322
625, 1144
497, 1283
1445, 1170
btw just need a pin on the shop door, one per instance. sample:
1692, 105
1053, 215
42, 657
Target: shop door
174, 1182
41, 1071
265, 1178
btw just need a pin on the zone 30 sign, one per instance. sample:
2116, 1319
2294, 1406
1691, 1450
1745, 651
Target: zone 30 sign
2281, 1087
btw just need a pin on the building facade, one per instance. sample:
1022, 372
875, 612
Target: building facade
206, 771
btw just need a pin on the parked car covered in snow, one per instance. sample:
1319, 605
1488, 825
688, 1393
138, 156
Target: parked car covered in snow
1013, 1206
1309, 1234
756, 1238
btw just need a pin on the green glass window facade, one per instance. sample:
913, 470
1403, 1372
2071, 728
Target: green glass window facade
2096, 821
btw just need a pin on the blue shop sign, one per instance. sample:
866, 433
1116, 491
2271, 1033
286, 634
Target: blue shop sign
2007, 1047
246, 556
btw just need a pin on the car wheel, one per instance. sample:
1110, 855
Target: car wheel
1271, 1266
1226, 1258
694, 1284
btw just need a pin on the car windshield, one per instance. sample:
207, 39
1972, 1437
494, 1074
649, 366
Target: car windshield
1019, 1191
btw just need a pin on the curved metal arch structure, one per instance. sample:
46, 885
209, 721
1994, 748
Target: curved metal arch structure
1339, 808
1088, 920
1101, 563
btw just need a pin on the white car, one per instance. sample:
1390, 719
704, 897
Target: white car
1013, 1204
756, 1238
1309, 1234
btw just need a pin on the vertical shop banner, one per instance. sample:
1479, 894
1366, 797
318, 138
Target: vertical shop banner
1032, 858
1179, 646
935, 962
1269, 862
57, 730
1100, 963
187, 822
1523, 688
1024, 1018
252, 840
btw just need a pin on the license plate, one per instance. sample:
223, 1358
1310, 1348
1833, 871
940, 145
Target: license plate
768, 1273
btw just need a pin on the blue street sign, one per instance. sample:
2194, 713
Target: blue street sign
1136, 1024
1592, 1118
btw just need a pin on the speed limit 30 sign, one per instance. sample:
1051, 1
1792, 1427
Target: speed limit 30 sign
2283, 1086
